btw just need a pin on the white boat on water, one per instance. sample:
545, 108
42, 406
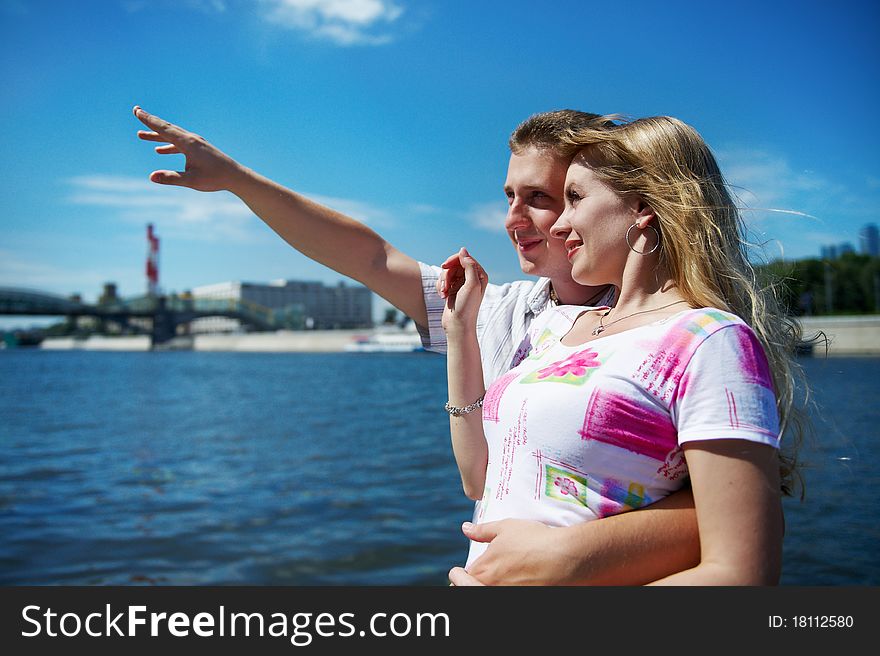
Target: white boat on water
386, 341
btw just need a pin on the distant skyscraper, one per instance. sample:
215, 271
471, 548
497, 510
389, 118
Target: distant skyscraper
845, 247
829, 252
869, 240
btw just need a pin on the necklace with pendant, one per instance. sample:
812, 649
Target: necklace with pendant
601, 327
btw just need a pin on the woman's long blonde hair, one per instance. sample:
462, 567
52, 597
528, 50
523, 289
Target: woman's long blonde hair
666, 163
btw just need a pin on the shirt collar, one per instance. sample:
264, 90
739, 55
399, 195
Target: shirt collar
539, 297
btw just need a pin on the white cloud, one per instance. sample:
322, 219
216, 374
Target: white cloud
488, 216
27, 273
798, 208
424, 209
207, 6
822, 237
181, 213
344, 22
187, 214
780, 202
767, 180
373, 216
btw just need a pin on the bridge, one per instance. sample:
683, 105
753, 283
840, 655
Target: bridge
165, 312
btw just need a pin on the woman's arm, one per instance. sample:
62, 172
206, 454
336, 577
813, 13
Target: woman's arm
465, 372
739, 513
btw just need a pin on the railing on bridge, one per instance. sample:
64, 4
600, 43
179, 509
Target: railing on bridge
30, 302
179, 309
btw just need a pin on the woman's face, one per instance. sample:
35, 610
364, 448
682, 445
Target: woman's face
593, 226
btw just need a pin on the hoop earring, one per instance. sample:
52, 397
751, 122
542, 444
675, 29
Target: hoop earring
628, 243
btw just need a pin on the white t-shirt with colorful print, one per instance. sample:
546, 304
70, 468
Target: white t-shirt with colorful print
581, 432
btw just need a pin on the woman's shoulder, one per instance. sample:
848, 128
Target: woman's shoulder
698, 328
704, 321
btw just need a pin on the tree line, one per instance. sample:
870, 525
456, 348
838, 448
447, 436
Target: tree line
849, 284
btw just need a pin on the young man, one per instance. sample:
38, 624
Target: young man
535, 179
627, 549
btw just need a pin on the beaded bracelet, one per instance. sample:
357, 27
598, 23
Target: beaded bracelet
458, 412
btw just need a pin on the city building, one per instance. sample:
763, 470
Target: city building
869, 244
834, 251
314, 305
869, 240
829, 252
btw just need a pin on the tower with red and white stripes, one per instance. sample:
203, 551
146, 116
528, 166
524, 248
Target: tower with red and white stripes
152, 262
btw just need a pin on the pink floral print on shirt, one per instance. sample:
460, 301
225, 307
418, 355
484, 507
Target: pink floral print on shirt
574, 370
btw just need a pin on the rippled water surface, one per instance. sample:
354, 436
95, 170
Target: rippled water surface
312, 469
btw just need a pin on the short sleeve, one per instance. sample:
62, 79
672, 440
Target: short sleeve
433, 336
501, 323
726, 391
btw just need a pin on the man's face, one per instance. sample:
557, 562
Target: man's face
534, 189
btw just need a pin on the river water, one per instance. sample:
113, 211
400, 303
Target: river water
314, 469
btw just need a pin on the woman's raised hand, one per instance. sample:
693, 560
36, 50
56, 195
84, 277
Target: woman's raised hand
206, 169
462, 283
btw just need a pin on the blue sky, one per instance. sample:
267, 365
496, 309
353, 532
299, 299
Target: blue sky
397, 112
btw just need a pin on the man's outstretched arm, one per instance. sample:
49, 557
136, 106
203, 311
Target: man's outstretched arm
631, 548
318, 232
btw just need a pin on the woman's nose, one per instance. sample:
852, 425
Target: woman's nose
562, 227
